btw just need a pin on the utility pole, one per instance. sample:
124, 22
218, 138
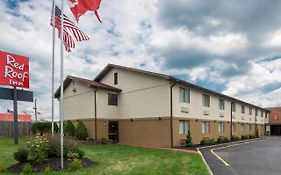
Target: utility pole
35, 109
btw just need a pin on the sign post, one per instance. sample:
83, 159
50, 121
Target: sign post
14, 71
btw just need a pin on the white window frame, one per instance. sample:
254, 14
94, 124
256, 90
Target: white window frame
183, 126
205, 127
243, 109
206, 100
184, 95
221, 127
221, 104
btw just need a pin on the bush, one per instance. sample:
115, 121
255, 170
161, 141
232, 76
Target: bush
43, 127
81, 132
188, 141
72, 156
38, 149
220, 139
54, 148
257, 133
21, 155
2, 169
207, 141
244, 137
75, 165
252, 136
225, 140
48, 171
235, 138
69, 128
27, 169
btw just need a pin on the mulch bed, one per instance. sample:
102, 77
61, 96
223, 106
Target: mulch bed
54, 163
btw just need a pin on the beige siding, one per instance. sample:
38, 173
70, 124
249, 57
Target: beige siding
142, 95
80, 104
103, 109
196, 109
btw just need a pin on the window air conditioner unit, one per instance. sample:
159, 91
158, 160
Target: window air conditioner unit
184, 109
206, 112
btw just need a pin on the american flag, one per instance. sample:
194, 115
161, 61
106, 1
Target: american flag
69, 30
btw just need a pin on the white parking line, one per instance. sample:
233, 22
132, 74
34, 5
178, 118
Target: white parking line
221, 159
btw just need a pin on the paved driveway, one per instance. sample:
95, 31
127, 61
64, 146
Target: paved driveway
258, 158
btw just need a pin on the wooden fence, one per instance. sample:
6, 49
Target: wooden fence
7, 128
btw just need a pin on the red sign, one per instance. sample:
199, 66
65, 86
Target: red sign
14, 70
275, 117
10, 117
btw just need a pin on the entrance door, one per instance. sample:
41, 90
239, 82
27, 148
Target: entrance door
113, 131
275, 130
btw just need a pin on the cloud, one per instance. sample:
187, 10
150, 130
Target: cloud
229, 46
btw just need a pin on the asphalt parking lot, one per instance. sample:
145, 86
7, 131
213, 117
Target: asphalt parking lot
261, 157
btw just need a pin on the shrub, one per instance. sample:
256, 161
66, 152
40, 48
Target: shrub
2, 169
220, 139
75, 165
257, 133
48, 171
225, 140
69, 128
252, 136
27, 169
21, 155
38, 149
81, 132
68, 146
188, 141
244, 137
235, 138
72, 156
207, 141
43, 127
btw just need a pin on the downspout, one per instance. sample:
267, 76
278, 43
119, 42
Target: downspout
95, 104
171, 112
231, 116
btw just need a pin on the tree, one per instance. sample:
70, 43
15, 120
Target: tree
81, 132
69, 128
188, 139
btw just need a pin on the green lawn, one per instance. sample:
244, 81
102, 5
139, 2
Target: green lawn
121, 159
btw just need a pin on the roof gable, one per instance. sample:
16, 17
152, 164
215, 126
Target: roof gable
86, 82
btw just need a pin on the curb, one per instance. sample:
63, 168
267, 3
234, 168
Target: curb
208, 168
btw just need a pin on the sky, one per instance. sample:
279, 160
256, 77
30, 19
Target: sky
232, 47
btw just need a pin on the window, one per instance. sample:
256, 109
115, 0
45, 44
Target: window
205, 127
261, 113
115, 78
221, 127
250, 127
256, 112
242, 127
233, 107
250, 110
184, 95
206, 100
233, 127
112, 99
242, 109
221, 104
184, 127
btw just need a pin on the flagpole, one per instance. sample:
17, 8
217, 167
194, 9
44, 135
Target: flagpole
61, 82
53, 66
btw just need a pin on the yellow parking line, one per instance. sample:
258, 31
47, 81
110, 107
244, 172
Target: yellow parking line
221, 159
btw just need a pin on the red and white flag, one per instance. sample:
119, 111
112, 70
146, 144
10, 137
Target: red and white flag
69, 29
80, 7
